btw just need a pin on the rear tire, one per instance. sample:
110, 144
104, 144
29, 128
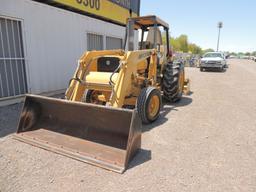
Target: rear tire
88, 96
149, 104
173, 81
201, 69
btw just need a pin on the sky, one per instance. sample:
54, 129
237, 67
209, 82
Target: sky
198, 19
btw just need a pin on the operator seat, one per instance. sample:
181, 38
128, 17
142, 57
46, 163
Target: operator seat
150, 37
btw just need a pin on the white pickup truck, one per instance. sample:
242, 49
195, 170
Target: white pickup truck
213, 60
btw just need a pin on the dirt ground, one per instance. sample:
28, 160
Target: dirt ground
206, 142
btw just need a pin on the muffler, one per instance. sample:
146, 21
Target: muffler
103, 136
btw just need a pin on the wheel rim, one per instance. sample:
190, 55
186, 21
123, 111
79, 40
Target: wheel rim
154, 106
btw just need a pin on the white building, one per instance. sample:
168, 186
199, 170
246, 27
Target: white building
40, 43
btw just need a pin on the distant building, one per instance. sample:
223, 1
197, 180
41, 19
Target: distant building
40, 43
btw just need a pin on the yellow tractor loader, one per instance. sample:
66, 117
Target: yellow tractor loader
110, 94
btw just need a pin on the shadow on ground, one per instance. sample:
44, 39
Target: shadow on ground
9, 117
215, 70
183, 102
141, 157
145, 155
167, 108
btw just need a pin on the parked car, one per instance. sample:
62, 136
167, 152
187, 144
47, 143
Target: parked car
253, 58
213, 60
233, 57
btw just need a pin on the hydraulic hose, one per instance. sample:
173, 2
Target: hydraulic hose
111, 76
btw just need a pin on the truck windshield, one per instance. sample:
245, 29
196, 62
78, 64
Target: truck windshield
213, 55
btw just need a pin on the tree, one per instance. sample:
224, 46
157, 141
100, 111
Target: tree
175, 44
183, 41
208, 50
164, 38
182, 44
233, 53
193, 48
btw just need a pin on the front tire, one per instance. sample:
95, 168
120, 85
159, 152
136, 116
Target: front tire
149, 104
92, 97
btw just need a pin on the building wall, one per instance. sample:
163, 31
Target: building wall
54, 39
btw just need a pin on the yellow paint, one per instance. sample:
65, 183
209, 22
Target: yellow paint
136, 71
100, 77
153, 106
124, 80
106, 9
76, 90
186, 87
181, 80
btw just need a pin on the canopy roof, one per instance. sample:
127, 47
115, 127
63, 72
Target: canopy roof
148, 21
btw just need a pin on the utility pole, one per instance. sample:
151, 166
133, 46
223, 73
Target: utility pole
220, 25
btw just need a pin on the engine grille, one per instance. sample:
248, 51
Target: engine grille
107, 64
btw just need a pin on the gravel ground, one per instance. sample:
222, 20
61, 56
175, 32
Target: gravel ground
206, 142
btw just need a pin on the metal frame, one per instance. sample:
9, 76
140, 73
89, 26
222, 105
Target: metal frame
156, 22
95, 33
154, 18
25, 71
119, 38
24, 43
104, 35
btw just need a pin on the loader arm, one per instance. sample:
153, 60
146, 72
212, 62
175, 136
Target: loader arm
76, 89
127, 75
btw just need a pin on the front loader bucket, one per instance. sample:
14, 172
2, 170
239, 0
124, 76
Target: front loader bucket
103, 136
